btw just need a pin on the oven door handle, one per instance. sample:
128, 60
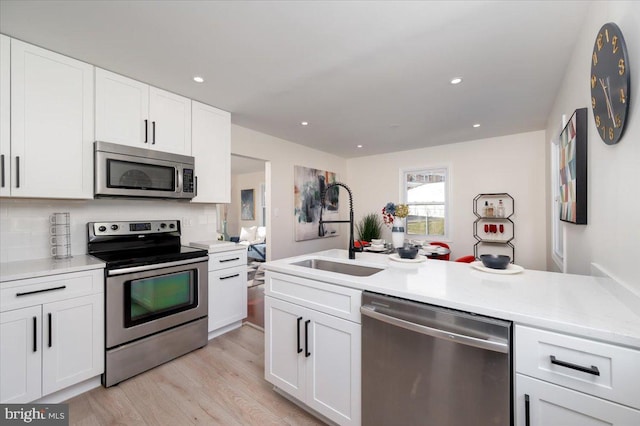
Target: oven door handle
142, 268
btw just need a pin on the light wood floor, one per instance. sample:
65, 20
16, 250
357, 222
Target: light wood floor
220, 384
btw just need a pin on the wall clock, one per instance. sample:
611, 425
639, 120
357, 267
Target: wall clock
610, 83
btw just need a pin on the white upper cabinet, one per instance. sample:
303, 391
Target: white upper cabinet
211, 147
51, 148
132, 113
5, 116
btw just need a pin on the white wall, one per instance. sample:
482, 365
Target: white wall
612, 236
281, 157
513, 164
238, 183
24, 223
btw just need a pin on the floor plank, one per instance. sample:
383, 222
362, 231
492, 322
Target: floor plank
220, 384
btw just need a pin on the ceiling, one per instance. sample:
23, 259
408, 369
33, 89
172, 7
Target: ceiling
370, 73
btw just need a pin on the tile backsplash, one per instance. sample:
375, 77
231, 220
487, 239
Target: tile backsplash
24, 223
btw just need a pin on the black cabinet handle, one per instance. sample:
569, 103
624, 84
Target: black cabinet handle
306, 339
230, 276
17, 171
35, 334
153, 133
26, 293
298, 335
196, 179
591, 370
527, 413
2, 166
229, 260
146, 131
50, 338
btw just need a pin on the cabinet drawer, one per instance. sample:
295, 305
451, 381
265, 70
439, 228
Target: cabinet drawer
600, 369
227, 259
35, 291
342, 302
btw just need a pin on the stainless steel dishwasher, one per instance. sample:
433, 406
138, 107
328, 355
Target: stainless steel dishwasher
427, 365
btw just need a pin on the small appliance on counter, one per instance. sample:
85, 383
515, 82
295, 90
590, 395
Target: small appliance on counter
156, 295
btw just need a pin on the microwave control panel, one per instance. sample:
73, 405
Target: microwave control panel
187, 180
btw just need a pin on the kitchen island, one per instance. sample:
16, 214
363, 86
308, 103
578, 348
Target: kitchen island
596, 317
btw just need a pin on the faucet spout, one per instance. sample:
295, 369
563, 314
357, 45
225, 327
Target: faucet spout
321, 231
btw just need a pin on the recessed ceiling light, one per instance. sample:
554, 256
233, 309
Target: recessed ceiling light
305, 123
476, 125
198, 79
456, 80
358, 146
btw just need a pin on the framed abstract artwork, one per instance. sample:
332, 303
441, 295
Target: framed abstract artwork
247, 211
572, 171
308, 186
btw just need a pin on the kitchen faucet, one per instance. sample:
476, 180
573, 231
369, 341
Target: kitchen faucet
321, 232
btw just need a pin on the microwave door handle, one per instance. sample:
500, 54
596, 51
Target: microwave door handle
179, 182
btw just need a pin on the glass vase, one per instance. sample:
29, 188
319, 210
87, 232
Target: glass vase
397, 232
225, 236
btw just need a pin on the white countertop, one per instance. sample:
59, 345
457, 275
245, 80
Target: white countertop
24, 269
216, 246
593, 307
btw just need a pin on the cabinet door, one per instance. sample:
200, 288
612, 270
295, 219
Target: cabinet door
20, 355
211, 147
284, 346
51, 124
5, 116
227, 296
556, 405
170, 116
73, 340
122, 110
333, 368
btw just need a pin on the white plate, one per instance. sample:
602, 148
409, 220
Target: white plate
511, 268
375, 249
397, 258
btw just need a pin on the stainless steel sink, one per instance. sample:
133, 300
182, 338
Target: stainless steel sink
340, 268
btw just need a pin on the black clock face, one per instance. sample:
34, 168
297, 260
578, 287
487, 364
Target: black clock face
610, 83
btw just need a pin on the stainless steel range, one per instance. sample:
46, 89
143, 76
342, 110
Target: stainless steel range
156, 300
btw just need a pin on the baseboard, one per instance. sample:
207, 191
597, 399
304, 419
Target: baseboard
220, 331
70, 392
304, 406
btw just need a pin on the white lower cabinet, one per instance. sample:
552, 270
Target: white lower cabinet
227, 289
571, 381
540, 403
314, 357
53, 343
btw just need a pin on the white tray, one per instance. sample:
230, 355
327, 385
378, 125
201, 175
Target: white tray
511, 268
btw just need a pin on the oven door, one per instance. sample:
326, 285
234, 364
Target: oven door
145, 300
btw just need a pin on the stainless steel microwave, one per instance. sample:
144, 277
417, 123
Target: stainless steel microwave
125, 171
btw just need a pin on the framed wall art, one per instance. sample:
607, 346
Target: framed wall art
573, 169
308, 186
247, 205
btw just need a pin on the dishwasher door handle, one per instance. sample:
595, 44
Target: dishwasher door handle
491, 345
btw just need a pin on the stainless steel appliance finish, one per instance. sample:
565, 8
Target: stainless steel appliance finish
427, 365
124, 171
156, 295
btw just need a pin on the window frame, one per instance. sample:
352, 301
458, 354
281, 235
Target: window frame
447, 199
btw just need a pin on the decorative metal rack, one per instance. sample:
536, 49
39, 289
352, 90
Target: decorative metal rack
482, 238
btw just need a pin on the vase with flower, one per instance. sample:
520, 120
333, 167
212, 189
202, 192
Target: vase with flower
394, 215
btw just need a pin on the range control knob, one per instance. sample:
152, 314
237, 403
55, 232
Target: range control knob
171, 225
163, 225
102, 228
114, 227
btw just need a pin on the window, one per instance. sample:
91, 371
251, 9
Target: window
426, 192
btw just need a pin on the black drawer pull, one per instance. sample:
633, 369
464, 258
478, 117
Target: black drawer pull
230, 276
307, 354
298, 335
591, 370
527, 412
50, 337
18, 172
35, 334
2, 166
229, 260
153, 127
26, 293
146, 131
